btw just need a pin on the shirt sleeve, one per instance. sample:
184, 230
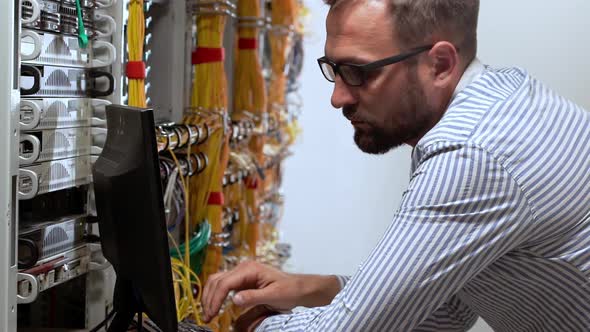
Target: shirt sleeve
343, 280
452, 316
461, 212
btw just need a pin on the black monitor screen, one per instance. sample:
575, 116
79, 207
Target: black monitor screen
130, 210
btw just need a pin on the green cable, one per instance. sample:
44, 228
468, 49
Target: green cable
82, 37
196, 244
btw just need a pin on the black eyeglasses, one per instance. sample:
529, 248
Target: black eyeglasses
356, 75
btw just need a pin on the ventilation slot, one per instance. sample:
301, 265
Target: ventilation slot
58, 171
58, 78
57, 141
55, 241
65, 93
57, 110
58, 47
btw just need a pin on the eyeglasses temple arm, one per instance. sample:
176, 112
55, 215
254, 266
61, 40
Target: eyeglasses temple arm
394, 59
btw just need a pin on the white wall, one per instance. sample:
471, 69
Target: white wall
338, 200
551, 39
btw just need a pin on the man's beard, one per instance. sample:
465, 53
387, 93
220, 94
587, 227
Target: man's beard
375, 141
399, 127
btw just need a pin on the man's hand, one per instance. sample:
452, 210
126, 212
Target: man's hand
258, 284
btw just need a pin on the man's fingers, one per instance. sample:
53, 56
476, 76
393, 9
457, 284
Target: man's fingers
218, 287
207, 294
209, 287
234, 280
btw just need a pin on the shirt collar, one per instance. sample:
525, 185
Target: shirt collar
473, 72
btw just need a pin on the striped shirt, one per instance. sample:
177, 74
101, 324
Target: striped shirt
495, 222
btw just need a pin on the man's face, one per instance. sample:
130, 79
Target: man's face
391, 108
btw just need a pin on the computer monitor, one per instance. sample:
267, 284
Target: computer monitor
130, 210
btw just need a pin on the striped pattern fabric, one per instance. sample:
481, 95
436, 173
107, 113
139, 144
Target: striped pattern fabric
495, 223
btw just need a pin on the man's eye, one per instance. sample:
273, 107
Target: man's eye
373, 73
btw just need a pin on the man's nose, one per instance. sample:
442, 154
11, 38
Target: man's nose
342, 94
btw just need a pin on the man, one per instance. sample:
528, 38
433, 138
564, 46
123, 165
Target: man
495, 222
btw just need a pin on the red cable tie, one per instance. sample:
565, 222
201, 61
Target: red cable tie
208, 54
216, 198
252, 184
135, 70
247, 43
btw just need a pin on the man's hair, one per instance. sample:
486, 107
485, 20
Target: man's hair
423, 21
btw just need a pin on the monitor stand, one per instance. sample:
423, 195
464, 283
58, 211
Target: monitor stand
126, 305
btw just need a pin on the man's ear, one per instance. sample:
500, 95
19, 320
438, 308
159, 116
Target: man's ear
445, 61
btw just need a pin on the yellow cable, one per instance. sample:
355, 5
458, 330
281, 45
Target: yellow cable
186, 304
135, 41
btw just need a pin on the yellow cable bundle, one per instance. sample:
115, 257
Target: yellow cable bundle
200, 185
209, 96
293, 129
250, 93
135, 41
214, 257
249, 87
209, 84
283, 18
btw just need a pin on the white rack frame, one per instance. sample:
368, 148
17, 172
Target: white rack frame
9, 114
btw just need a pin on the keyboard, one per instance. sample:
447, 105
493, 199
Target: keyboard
189, 327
